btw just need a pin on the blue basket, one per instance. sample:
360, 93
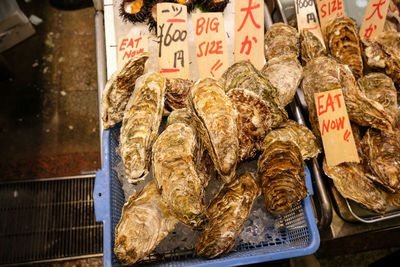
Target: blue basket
299, 235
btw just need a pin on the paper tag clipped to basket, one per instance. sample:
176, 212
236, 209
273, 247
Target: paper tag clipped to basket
172, 38
307, 18
249, 32
210, 39
131, 46
335, 128
328, 10
374, 18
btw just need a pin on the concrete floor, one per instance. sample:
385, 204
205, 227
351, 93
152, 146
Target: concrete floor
49, 114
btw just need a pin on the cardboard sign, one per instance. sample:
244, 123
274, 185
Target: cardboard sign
335, 128
374, 18
173, 49
210, 39
130, 46
249, 32
307, 18
329, 9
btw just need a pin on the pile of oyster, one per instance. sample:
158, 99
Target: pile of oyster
372, 103
212, 125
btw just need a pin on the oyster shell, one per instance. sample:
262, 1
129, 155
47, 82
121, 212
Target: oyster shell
254, 121
311, 47
281, 39
341, 37
284, 72
382, 150
243, 74
384, 53
177, 93
392, 199
202, 160
218, 128
379, 87
144, 222
298, 134
351, 182
140, 125
176, 175
324, 74
119, 88
228, 212
282, 176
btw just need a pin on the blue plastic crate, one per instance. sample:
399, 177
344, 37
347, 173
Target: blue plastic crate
299, 235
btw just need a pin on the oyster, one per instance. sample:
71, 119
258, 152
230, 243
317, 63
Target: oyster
284, 72
228, 212
382, 150
298, 134
281, 39
392, 199
282, 176
177, 93
341, 37
176, 176
202, 159
119, 88
218, 127
243, 74
140, 125
351, 181
254, 121
324, 74
379, 87
384, 53
311, 47
144, 222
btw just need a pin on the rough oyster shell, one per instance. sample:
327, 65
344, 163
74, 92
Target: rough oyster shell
281, 39
298, 134
324, 74
384, 53
140, 125
382, 150
341, 37
176, 176
243, 74
311, 47
351, 182
379, 87
282, 176
177, 93
228, 212
392, 199
144, 222
254, 121
202, 160
119, 88
218, 128
284, 72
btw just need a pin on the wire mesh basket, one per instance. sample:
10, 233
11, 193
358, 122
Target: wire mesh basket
297, 236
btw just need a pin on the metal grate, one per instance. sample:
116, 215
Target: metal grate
48, 219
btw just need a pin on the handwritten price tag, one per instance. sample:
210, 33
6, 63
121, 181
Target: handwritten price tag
335, 128
210, 39
329, 9
130, 46
249, 31
173, 50
374, 18
307, 19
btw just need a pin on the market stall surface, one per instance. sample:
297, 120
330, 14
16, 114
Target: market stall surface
49, 118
